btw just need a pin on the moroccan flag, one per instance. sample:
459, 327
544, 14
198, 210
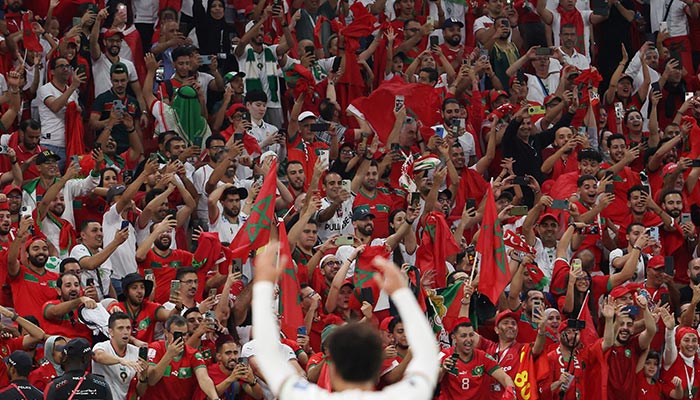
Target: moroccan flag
533, 373
494, 274
290, 294
443, 307
255, 232
364, 271
437, 243
588, 334
75, 145
29, 38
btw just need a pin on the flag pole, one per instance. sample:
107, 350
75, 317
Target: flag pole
471, 275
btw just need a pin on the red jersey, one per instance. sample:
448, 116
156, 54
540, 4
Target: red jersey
557, 365
527, 330
165, 269
41, 376
621, 361
380, 206
324, 377
646, 390
143, 321
218, 376
31, 290
66, 325
178, 381
690, 376
508, 358
470, 379
7, 346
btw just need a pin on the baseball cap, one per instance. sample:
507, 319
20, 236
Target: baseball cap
45, 156
232, 75
449, 23
565, 325
668, 169
234, 108
136, 277
551, 98
547, 215
115, 190
625, 76
506, 314
361, 214
11, 188
305, 115
459, 321
656, 262
384, 325
21, 361
495, 94
620, 291
77, 348
114, 32
118, 68
348, 282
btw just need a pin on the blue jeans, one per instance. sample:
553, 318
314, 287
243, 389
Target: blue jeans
61, 152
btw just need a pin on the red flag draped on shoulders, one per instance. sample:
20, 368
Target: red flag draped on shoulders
437, 243
255, 232
494, 274
290, 293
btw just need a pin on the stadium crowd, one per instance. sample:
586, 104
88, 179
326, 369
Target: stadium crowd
444, 199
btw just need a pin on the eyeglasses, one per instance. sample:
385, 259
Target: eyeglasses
191, 282
14, 196
62, 66
347, 152
329, 263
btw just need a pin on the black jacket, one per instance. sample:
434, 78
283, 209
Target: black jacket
92, 387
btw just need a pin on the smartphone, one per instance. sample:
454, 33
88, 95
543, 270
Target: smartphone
346, 184
3, 149
689, 95
324, 155
433, 40
77, 21
440, 132
74, 159
212, 292
81, 68
471, 203
178, 335
544, 51
301, 330
576, 263
582, 130
336, 63
518, 211
345, 240
117, 106
536, 110
632, 310
310, 50
504, 21
243, 360
237, 137
204, 60
415, 200
645, 293
398, 102
520, 76
654, 232
619, 110
160, 74
656, 87
367, 295
125, 224
536, 303
695, 163
685, 218
245, 116
669, 265
521, 180
143, 353
396, 148
610, 188
560, 204
148, 275
127, 176
237, 265
663, 26
319, 127
429, 20
174, 287
89, 282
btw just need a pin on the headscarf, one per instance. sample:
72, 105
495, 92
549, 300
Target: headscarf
48, 353
189, 114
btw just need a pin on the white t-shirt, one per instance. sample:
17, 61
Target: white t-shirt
340, 222
261, 130
545, 258
199, 180
101, 275
639, 273
538, 89
124, 258
485, 22
577, 59
53, 125
677, 19
117, 376
226, 229
556, 27
73, 188
100, 73
145, 11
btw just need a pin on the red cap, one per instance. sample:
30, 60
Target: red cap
4, 206
113, 32
495, 94
506, 314
348, 281
564, 325
656, 262
547, 215
384, 325
668, 169
550, 98
11, 188
620, 291
234, 107
73, 39
459, 321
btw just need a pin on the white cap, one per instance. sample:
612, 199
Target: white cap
249, 26
305, 115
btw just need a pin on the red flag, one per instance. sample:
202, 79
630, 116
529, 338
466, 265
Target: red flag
494, 274
588, 334
29, 38
75, 145
364, 271
437, 243
533, 374
252, 147
290, 294
423, 101
255, 232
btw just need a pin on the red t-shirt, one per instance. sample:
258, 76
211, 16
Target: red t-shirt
324, 378
646, 390
165, 269
679, 369
31, 290
143, 322
557, 365
66, 325
508, 359
178, 381
472, 378
380, 206
217, 376
7, 346
622, 361
41, 376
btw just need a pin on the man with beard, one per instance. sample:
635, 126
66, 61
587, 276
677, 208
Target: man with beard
5, 227
642, 210
464, 367
60, 317
230, 376
94, 260
485, 28
451, 124
453, 49
623, 178
650, 54
568, 48
215, 145
567, 14
14, 203
53, 98
55, 210
334, 215
102, 62
296, 178
540, 231
158, 207
117, 360
225, 215
29, 132
694, 277
590, 200
117, 112
32, 284
155, 253
507, 351
618, 257
259, 61
201, 333
77, 356
623, 355
371, 202
504, 52
561, 156
142, 312
681, 239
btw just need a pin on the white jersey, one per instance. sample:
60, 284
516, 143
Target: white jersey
124, 257
341, 221
117, 376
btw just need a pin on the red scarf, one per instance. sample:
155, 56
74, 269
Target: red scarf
574, 18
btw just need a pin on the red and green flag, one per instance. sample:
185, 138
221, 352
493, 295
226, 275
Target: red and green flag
364, 273
494, 274
291, 315
437, 243
255, 232
443, 307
